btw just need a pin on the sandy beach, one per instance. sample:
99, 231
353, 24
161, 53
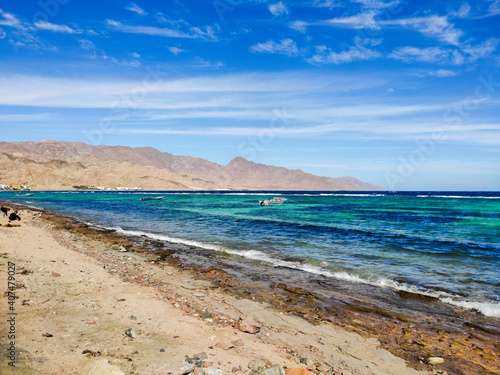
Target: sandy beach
85, 306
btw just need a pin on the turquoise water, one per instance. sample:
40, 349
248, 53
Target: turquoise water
438, 244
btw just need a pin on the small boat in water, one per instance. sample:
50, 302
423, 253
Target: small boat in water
24, 195
272, 202
151, 198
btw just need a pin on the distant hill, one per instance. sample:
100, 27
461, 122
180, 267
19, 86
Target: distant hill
54, 165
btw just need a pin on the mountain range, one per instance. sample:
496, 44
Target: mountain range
59, 165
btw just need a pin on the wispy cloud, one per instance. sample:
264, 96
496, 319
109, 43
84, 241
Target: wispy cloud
43, 25
299, 26
207, 32
136, 9
377, 4
325, 55
467, 54
175, 50
278, 8
432, 26
285, 47
359, 21
9, 19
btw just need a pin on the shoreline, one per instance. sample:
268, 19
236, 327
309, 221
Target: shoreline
413, 338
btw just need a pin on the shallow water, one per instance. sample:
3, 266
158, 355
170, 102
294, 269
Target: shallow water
439, 244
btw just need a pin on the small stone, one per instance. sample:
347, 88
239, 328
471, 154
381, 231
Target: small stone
307, 361
247, 324
198, 371
258, 364
131, 333
433, 361
122, 249
47, 335
297, 371
222, 345
238, 342
273, 370
213, 371
322, 367
207, 364
133, 317
162, 350
102, 367
201, 355
55, 274
206, 315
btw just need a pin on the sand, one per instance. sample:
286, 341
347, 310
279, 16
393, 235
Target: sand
74, 309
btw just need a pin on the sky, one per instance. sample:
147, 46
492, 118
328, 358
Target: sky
399, 93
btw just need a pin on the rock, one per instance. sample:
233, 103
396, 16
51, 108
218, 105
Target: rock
273, 370
207, 364
322, 367
213, 371
122, 249
307, 361
222, 345
201, 355
238, 342
197, 361
55, 274
433, 361
198, 371
258, 364
133, 317
173, 368
131, 333
297, 371
206, 315
47, 335
247, 324
102, 367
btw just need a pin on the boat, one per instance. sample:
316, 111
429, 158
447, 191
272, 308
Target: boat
24, 195
272, 202
151, 198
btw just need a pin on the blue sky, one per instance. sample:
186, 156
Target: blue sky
403, 94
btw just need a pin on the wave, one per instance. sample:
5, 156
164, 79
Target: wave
487, 308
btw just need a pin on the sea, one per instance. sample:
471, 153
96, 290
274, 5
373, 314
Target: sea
438, 244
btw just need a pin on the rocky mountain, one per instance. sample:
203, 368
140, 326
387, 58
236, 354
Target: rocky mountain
54, 165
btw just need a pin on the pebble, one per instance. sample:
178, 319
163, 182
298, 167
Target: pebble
222, 345
435, 361
238, 342
297, 371
102, 367
273, 370
247, 324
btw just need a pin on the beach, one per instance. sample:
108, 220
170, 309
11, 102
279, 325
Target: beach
90, 301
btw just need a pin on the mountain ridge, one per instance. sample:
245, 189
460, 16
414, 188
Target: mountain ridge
75, 163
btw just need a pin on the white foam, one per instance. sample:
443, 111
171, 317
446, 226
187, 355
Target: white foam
488, 309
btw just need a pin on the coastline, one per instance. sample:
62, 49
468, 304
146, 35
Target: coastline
339, 332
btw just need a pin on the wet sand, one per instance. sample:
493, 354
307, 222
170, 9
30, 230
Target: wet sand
187, 300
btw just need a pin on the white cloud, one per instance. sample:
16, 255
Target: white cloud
467, 54
412, 54
43, 25
175, 50
3, 34
193, 33
462, 12
8, 19
299, 26
377, 4
325, 55
136, 9
359, 21
324, 4
285, 47
433, 26
278, 8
